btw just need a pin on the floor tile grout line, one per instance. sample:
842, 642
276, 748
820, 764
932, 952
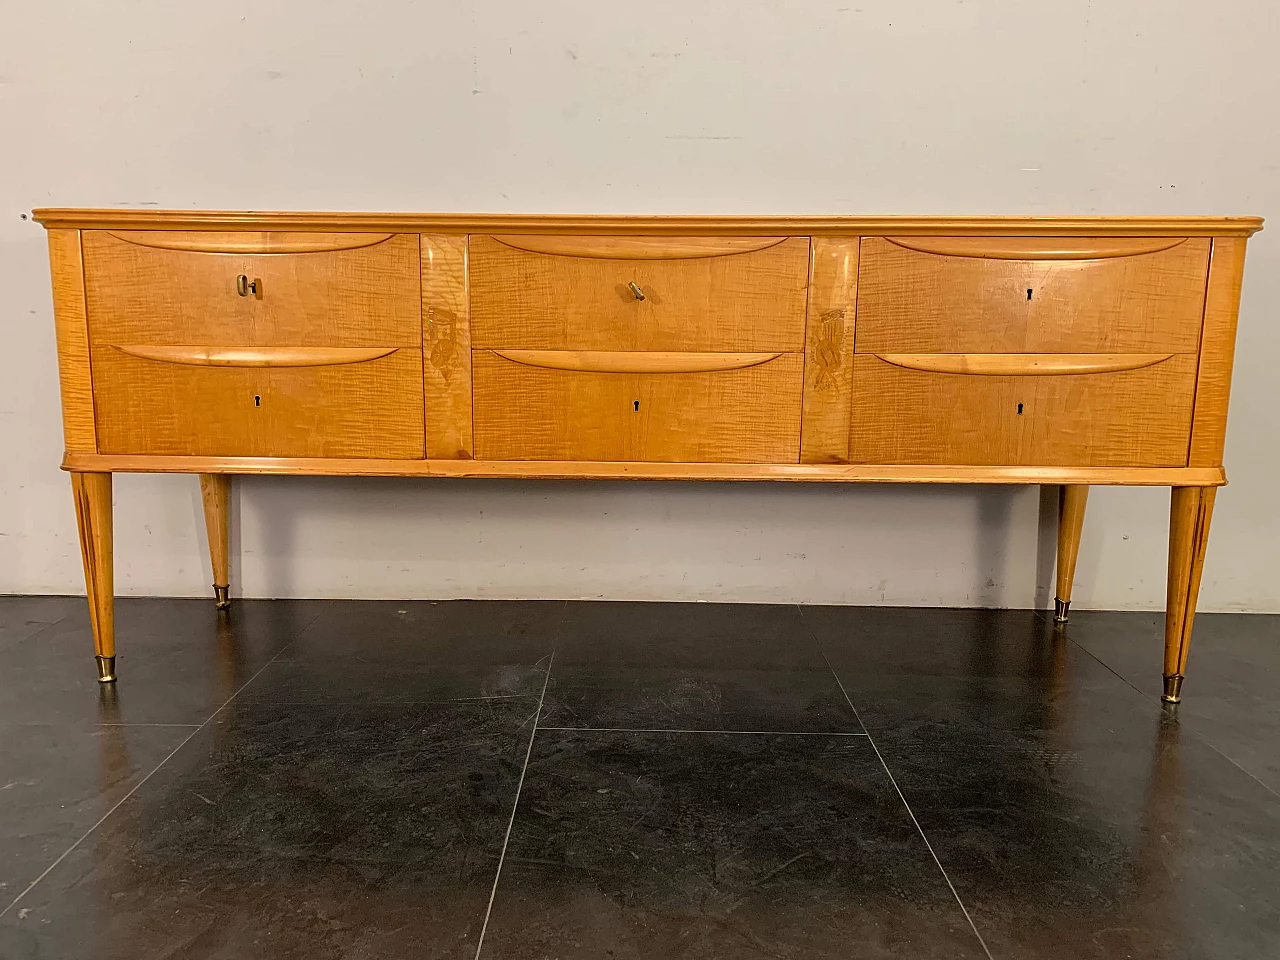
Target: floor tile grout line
911, 813
515, 805
739, 733
136, 787
1195, 733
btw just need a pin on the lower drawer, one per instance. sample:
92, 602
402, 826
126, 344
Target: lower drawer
255, 403
664, 407
1100, 417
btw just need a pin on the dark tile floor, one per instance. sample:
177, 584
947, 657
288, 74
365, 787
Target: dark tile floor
548, 780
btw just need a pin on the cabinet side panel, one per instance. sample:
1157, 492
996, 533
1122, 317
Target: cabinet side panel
828, 350
66, 265
446, 347
1217, 348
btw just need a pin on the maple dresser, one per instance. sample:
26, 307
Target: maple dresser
857, 350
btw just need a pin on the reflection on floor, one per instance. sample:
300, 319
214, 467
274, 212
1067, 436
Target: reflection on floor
319, 779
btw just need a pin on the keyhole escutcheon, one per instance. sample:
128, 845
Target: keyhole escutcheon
1028, 293
257, 400
1019, 409
636, 406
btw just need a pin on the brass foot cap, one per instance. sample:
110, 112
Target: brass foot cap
106, 669
1060, 608
221, 597
1172, 689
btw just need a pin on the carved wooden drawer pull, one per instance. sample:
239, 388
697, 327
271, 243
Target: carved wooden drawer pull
1023, 364
256, 356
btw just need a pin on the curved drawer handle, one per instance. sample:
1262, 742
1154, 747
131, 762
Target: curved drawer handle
256, 356
637, 248
1037, 248
1022, 364
628, 361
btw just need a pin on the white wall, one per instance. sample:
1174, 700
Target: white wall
857, 106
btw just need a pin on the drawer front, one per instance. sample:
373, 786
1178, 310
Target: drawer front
699, 293
1136, 417
325, 402
709, 408
1030, 295
156, 287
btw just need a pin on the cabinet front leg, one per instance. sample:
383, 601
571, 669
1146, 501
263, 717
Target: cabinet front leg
215, 490
92, 492
1191, 509
1071, 501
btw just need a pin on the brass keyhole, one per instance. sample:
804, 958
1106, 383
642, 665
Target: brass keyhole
245, 286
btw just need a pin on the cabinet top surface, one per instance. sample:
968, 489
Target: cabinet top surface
139, 219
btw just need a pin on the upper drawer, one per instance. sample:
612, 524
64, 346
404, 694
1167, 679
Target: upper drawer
1030, 294
309, 289
699, 293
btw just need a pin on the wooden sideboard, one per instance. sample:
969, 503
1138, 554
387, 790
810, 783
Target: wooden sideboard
849, 349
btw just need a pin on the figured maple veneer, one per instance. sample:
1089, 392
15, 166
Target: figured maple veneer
543, 411
1070, 351
322, 291
699, 294
371, 408
954, 295
1131, 417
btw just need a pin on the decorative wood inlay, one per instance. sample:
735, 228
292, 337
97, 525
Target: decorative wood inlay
627, 361
446, 346
638, 248
255, 356
1023, 364
1037, 248
569, 470
829, 345
257, 242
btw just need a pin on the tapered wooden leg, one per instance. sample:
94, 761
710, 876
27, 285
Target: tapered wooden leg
1191, 509
92, 493
215, 490
1071, 501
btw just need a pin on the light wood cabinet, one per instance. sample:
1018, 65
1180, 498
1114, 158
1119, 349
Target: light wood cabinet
892, 349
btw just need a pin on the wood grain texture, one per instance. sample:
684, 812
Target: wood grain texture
215, 494
1133, 418
911, 302
1217, 351
71, 325
255, 356
1190, 512
364, 297
635, 361
446, 346
505, 223
1072, 498
249, 242
631, 470
1022, 364
637, 248
731, 416
828, 350
1037, 248
92, 495
371, 409
745, 302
